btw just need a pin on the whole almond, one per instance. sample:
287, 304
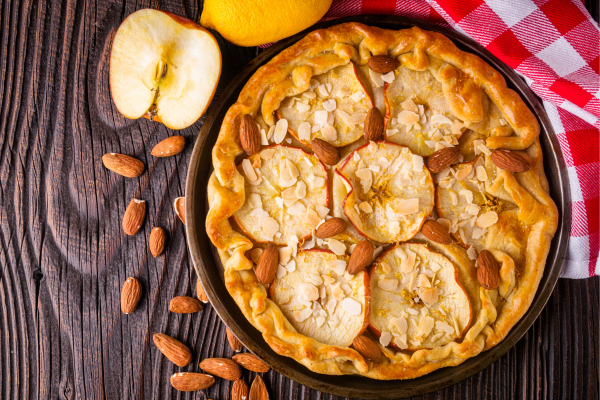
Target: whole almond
258, 390
251, 362
184, 305
191, 381
235, 344
488, 273
173, 349
134, 216
249, 135
373, 125
509, 161
331, 227
169, 147
222, 367
200, 293
325, 151
126, 166
179, 206
131, 293
267, 264
433, 230
367, 348
239, 390
157, 241
361, 256
383, 64
442, 159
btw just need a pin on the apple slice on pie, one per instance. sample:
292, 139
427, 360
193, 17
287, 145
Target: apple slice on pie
390, 191
417, 301
287, 195
333, 109
320, 299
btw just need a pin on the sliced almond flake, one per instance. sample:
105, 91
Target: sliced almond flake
329, 105
319, 321
464, 172
445, 223
423, 281
351, 306
477, 233
468, 195
435, 267
263, 138
437, 136
321, 117
412, 311
385, 338
289, 196
330, 306
279, 201
357, 118
430, 296
394, 227
472, 253
472, 209
463, 236
357, 96
301, 190
394, 121
302, 108
304, 131
267, 154
442, 326
364, 174
482, 173
455, 141
311, 219
487, 219
291, 266
448, 139
323, 90
407, 206
249, 170
309, 94
366, 207
385, 267
330, 119
418, 163
308, 291
280, 130
281, 271
439, 146
408, 117
484, 149
337, 292
425, 326
302, 315
315, 128
318, 183
329, 86
389, 285
356, 157
389, 77
375, 168
346, 288
255, 254
439, 119
329, 133
408, 263
391, 132
421, 108
344, 91
297, 210
409, 105
255, 201
376, 78
456, 127
372, 147
337, 247
401, 254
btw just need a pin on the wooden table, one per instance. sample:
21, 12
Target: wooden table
64, 257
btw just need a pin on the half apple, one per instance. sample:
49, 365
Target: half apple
163, 67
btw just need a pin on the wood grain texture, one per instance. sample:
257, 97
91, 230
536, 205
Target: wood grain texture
64, 257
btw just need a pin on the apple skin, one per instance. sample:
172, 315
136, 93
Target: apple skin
372, 269
289, 147
189, 24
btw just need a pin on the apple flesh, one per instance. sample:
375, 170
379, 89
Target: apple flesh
163, 67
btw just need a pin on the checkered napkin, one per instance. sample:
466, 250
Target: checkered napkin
554, 45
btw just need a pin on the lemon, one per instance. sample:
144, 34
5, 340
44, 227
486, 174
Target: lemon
256, 22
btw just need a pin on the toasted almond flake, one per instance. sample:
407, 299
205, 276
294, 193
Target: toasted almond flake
487, 219
329, 105
302, 315
323, 90
456, 127
408, 263
389, 77
337, 247
311, 219
389, 285
407, 206
329, 133
280, 130
418, 163
308, 291
439, 119
464, 172
249, 170
289, 196
472, 253
351, 306
376, 78
322, 211
366, 207
482, 173
400, 253
408, 117
423, 281
409, 105
270, 226
430, 296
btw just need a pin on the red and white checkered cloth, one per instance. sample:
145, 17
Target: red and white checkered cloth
554, 44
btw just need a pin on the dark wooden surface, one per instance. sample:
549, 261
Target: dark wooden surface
64, 257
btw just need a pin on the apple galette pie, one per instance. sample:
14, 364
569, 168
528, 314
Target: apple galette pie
379, 203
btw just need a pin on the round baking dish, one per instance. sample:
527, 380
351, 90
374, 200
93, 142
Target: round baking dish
210, 271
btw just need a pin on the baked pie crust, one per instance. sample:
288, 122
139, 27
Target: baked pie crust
426, 308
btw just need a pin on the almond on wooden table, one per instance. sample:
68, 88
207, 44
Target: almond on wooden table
325, 151
131, 293
251, 362
510, 161
184, 305
239, 390
123, 165
191, 381
134, 216
173, 349
433, 230
442, 159
367, 348
249, 135
235, 344
258, 390
179, 206
267, 264
488, 270
331, 227
373, 125
169, 147
222, 367
383, 64
157, 241
200, 293
361, 256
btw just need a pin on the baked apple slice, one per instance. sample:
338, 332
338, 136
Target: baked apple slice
320, 299
417, 301
333, 109
390, 191
417, 113
287, 195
